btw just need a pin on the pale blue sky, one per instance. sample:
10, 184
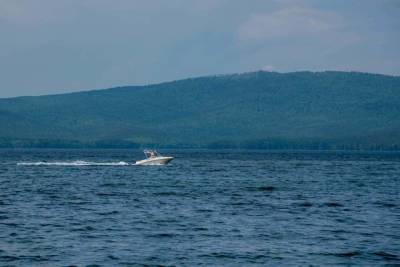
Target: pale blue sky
49, 46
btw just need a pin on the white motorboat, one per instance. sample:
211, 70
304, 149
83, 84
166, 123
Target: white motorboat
153, 158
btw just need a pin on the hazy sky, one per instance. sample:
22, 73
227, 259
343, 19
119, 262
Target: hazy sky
54, 46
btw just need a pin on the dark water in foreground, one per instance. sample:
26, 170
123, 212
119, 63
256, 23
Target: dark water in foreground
206, 208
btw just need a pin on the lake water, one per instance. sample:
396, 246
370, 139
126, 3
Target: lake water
211, 208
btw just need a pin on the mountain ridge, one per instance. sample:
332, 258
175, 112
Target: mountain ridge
321, 110
201, 77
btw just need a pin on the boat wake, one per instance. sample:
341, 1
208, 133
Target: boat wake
74, 163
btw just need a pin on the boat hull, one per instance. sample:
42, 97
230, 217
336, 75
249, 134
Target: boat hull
155, 161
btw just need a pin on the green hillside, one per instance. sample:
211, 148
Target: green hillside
324, 110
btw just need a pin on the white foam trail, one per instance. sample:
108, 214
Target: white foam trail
74, 163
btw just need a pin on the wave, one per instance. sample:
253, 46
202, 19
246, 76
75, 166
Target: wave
74, 163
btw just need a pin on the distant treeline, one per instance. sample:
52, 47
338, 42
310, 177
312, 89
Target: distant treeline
267, 144
310, 144
47, 143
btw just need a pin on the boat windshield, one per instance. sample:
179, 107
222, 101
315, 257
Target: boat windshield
150, 153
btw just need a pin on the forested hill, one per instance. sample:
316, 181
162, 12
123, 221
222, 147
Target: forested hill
301, 110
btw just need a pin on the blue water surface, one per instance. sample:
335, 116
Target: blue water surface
210, 208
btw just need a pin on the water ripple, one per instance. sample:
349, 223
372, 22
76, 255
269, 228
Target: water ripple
211, 208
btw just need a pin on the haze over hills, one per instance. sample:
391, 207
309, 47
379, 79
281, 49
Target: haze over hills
301, 110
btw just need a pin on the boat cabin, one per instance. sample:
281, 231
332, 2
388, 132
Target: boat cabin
150, 153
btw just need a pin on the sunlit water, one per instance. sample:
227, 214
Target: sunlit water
212, 208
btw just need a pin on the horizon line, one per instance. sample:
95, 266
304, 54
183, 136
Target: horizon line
199, 77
